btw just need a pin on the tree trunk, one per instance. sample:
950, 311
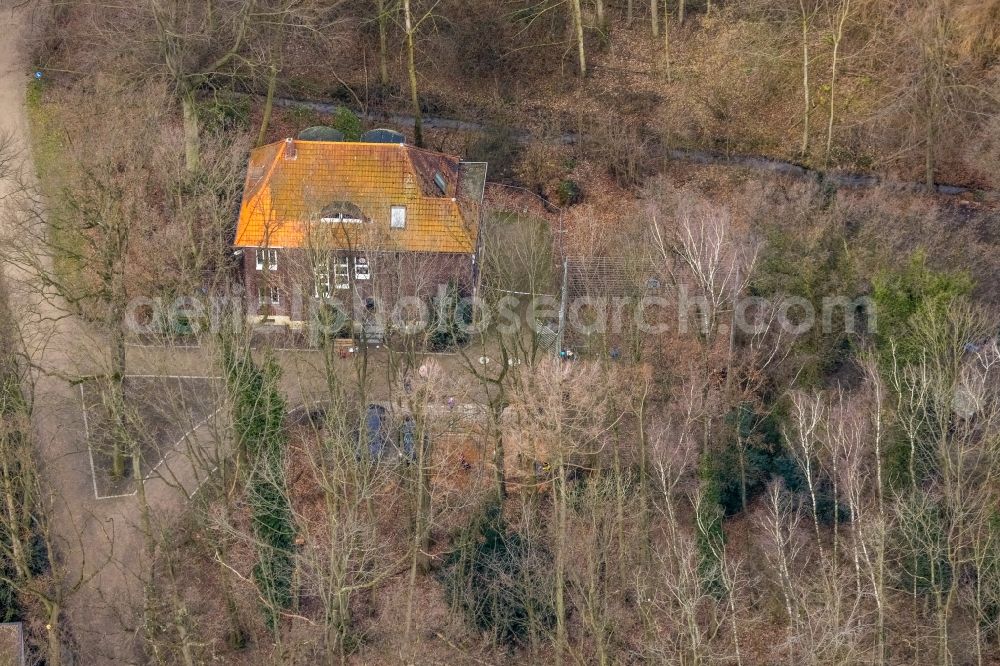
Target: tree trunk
741, 445
498, 451
418, 123
383, 48
838, 36
935, 67
268, 104
54, 656
182, 633
929, 159
423, 539
644, 501
805, 78
150, 614
116, 316
12, 497
680, 12
654, 13
559, 495
192, 131
420, 561
666, 38
833, 92
578, 29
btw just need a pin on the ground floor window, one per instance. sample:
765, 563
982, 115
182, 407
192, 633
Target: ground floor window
269, 296
362, 271
341, 274
323, 282
340, 278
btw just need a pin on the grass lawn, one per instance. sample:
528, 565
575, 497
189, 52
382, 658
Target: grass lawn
49, 150
518, 254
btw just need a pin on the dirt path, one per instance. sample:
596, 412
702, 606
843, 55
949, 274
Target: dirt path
101, 548
89, 537
101, 545
758, 163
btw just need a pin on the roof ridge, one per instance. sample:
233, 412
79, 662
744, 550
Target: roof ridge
407, 146
435, 152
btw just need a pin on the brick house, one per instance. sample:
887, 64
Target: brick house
351, 223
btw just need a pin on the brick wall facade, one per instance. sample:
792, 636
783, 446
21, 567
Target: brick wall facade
297, 279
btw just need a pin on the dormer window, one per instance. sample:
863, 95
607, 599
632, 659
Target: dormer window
342, 212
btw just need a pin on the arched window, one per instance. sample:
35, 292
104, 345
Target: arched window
343, 212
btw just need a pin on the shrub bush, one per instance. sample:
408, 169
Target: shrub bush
921, 539
541, 165
258, 422
222, 113
709, 536
622, 146
347, 123
490, 577
899, 295
813, 267
569, 193
450, 319
765, 458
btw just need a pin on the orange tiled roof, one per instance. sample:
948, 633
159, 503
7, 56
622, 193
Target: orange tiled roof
290, 183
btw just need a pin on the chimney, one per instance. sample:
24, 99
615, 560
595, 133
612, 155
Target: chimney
290, 152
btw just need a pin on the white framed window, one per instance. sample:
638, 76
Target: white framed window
268, 256
397, 217
269, 296
362, 270
322, 282
342, 212
341, 218
341, 274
